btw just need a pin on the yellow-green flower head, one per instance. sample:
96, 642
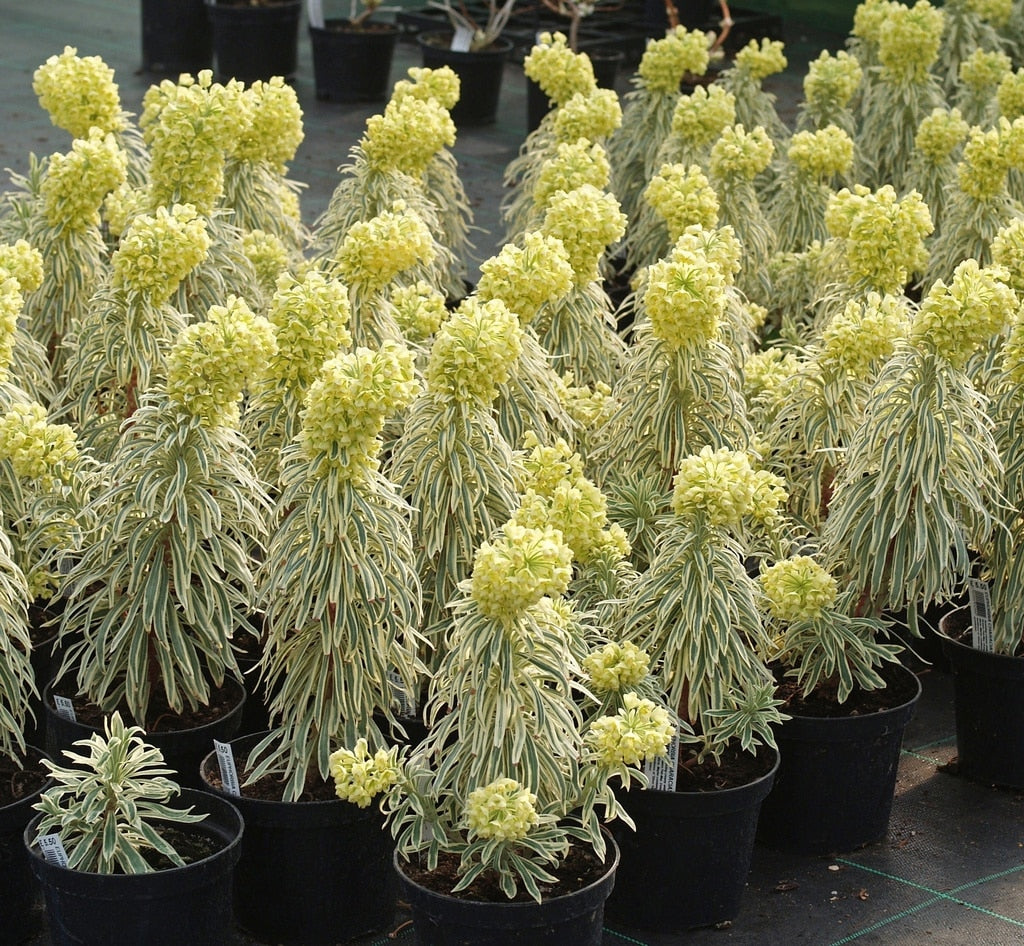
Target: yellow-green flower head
997, 12
441, 84
560, 72
798, 589
409, 133
348, 404
984, 69
768, 376
159, 250
38, 451
1010, 95
682, 197
547, 466
475, 352
982, 172
1013, 350
594, 115
375, 251
310, 318
884, 235
275, 130
832, 79
23, 262
822, 154
665, 61
268, 255
961, 318
940, 134
739, 155
521, 566
760, 60
528, 277
76, 183
212, 362
909, 40
79, 92
589, 407
11, 303
121, 205
501, 811
572, 165
869, 19
719, 245
700, 117
616, 667
640, 730
1008, 252
359, 777
718, 484
684, 299
857, 340
419, 309
587, 221
770, 497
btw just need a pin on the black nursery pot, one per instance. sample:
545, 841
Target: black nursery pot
190, 904
988, 702
176, 36
255, 42
835, 786
352, 65
687, 863
310, 873
480, 75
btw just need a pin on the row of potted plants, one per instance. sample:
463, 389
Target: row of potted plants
492, 552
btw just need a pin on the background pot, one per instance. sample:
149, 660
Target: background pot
190, 904
835, 785
480, 75
352, 65
255, 42
176, 36
988, 701
687, 863
576, 918
310, 873
183, 749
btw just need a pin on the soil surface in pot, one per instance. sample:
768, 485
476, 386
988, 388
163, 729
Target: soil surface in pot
271, 787
161, 717
821, 701
733, 769
18, 781
962, 633
580, 869
192, 844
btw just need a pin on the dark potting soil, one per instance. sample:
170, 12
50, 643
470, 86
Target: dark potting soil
192, 844
271, 787
821, 701
734, 767
18, 781
580, 869
161, 717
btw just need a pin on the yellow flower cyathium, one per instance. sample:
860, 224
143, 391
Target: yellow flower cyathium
502, 810
798, 589
640, 730
616, 667
359, 777
37, 450
79, 92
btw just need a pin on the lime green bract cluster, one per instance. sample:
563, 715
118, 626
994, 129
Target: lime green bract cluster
665, 61
359, 777
798, 589
409, 133
77, 182
79, 92
274, 131
616, 667
640, 730
375, 251
560, 72
723, 487
527, 277
502, 810
38, 451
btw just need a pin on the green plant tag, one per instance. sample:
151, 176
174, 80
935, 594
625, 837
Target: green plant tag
981, 615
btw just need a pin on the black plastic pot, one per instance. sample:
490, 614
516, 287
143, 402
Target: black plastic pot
606, 64
255, 42
22, 895
190, 904
687, 863
480, 75
988, 701
176, 36
352, 65
575, 918
835, 785
183, 749
310, 873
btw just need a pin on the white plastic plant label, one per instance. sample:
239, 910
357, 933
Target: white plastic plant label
462, 39
228, 772
405, 700
661, 772
52, 849
315, 9
981, 615
65, 708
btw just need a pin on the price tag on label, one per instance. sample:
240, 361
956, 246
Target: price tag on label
228, 772
52, 849
981, 615
462, 39
65, 708
661, 772
406, 703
